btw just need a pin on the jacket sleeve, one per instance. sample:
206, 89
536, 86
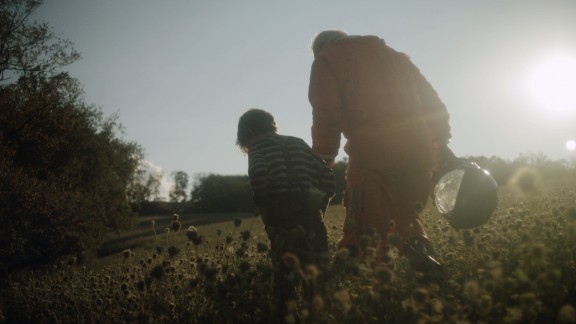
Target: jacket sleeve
436, 118
324, 96
435, 113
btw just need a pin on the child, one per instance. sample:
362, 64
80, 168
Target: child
292, 187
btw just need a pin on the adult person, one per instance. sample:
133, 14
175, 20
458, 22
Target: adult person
396, 129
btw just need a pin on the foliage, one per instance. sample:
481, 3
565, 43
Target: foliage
505, 171
518, 268
63, 169
217, 193
29, 47
145, 187
178, 193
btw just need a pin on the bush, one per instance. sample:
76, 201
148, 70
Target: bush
63, 172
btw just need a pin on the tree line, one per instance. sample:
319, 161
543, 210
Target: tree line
232, 193
206, 193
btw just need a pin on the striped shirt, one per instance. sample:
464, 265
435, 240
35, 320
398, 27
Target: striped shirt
280, 164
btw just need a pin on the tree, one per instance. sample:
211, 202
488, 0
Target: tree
144, 188
218, 193
29, 47
64, 169
153, 186
178, 192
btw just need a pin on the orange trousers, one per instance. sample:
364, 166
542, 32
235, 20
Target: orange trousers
384, 202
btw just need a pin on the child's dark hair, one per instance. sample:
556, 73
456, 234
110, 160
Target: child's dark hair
253, 123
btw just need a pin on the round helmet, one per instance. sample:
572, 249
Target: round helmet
466, 196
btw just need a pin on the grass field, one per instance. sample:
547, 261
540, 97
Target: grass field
518, 268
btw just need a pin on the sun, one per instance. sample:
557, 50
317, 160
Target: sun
571, 145
553, 83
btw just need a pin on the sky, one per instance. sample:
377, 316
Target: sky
180, 73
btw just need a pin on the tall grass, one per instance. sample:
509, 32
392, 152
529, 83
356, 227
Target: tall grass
518, 268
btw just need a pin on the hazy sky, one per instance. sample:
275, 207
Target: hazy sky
180, 73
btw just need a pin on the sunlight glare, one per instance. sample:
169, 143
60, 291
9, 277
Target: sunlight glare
554, 83
571, 145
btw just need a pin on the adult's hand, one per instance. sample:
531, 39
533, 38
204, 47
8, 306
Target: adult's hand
330, 163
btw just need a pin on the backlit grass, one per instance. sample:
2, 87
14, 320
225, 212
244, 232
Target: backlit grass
518, 268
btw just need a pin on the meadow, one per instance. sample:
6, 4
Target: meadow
518, 268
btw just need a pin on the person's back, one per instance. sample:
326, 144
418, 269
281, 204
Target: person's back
386, 104
280, 164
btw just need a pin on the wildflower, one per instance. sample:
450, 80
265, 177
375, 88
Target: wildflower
312, 271
157, 272
343, 296
291, 260
437, 306
485, 304
513, 315
176, 226
471, 289
193, 235
244, 266
198, 240
127, 253
291, 306
261, 247
489, 286
537, 252
173, 251
245, 235
318, 303
140, 285
124, 286
529, 300
567, 314
495, 270
383, 274
421, 295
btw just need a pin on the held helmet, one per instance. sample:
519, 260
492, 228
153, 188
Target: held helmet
466, 196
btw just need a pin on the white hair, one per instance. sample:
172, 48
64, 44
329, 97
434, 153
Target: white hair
324, 38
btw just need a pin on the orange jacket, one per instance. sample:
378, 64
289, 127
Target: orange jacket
378, 99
